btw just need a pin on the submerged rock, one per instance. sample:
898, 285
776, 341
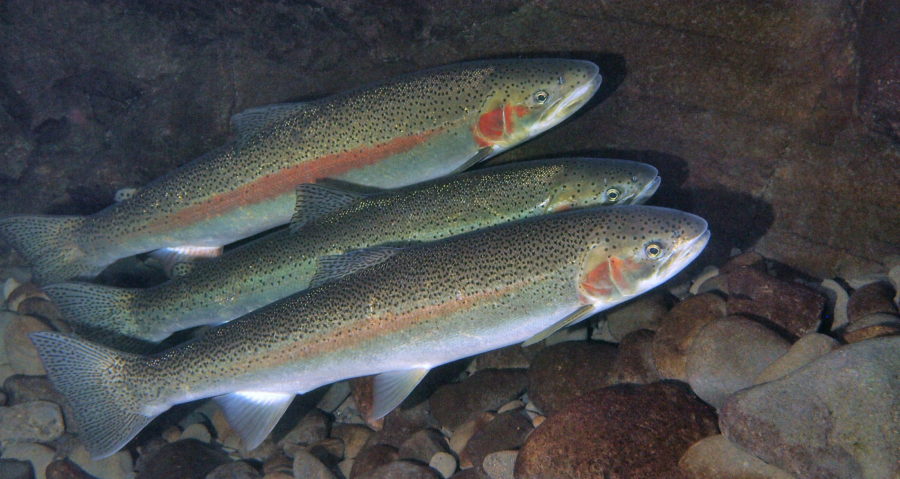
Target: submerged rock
38, 421
672, 342
188, 459
728, 354
717, 458
836, 417
791, 308
562, 372
634, 361
487, 389
804, 351
621, 431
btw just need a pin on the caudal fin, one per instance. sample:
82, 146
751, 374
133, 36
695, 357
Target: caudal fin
95, 383
47, 244
102, 314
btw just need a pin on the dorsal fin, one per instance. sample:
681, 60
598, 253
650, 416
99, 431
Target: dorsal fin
330, 268
253, 120
315, 201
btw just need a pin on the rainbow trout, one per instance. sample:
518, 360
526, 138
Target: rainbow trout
394, 313
331, 222
402, 131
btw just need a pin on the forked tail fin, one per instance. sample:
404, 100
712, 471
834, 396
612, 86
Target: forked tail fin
47, 244
102, 314
93, 379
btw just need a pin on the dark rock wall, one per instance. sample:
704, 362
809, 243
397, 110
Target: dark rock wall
777, 121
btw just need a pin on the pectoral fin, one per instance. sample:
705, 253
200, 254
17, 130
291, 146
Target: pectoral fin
482, 155
391, 388
576, 316
330, 268
315, 201
254, 414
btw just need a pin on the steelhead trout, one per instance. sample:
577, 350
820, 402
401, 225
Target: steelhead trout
395, 133
332, 222
395, 313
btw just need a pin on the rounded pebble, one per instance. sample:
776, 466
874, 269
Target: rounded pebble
20, 352
672, 341
804, 351
728, 354
307, 466
835, 417
38, 455
716, 458
117, 466
444, 463
500, 464
38, 421
196, 431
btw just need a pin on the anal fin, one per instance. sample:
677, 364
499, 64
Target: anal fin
254, 414
576, 316
391, 388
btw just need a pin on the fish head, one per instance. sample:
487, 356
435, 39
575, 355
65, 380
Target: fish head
637, 248
600, 182
524, 98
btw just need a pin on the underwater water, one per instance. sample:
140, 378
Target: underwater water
773, 353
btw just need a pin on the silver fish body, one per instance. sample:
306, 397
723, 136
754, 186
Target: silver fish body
284, 262
404, 312
394, 133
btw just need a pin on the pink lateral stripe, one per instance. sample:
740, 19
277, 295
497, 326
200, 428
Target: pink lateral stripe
274, 185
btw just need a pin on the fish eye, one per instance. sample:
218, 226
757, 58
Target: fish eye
613, 194
540, 97
654, 250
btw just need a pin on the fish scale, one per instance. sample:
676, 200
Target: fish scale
413, 309
284, 262
395, 133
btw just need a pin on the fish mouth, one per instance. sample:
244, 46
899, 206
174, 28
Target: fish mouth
647, 192
689, 252
565, 107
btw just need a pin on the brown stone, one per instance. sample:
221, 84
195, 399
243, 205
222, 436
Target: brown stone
876, 331
402, 470
506, 431
188, 459
564, 371
488, 389
65, 469
620, 431
372, 458
423, 445
879, 69
750, 259
22, 389
402, 423
835, 417
634, 363
789, 308
872, 298
503, 358
361, 389
673, 340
